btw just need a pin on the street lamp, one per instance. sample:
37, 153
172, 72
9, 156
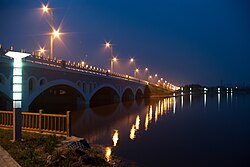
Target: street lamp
132, 61
136, 71
49, 11
41, 51
149, 78
113, 65
109, 45
146, 72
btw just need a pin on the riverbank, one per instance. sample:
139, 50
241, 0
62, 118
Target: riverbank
51, 150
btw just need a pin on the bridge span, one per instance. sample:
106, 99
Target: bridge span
47, 81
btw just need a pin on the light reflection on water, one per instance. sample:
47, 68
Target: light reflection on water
134, 122
115, 138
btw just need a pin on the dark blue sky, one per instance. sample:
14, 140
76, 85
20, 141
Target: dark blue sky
185, 41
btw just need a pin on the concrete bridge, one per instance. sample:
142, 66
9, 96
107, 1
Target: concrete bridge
47, 81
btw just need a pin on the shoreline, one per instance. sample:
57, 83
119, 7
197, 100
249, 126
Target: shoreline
51, 150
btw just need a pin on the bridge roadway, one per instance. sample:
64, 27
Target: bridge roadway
46, 81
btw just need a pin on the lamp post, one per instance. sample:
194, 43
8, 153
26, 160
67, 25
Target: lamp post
149, 78
17, 92
41, 51
146, 73
49, 11
136, 71
109, 45
114, 59
132, 61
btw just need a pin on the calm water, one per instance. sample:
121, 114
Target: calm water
183, 131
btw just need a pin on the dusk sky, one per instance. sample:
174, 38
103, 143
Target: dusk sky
184, 41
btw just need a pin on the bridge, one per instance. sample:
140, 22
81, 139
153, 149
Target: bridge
48, 81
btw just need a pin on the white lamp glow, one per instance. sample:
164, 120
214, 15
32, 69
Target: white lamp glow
17, 77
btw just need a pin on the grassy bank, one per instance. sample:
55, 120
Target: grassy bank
48, 150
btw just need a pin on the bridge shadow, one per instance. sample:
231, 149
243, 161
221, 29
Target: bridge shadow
105, 110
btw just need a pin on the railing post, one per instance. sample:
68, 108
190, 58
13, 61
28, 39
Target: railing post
68, 119
40, 120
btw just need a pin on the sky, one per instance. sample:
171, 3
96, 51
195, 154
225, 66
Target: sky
203, 42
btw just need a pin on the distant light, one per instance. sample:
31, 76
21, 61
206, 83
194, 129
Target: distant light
132, 60
156, 75
137, 70
161, 79
146, 69
56, 33
42, 50
108, 44
115, 59
45, 8
150, 76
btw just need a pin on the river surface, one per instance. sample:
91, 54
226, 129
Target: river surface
202, 130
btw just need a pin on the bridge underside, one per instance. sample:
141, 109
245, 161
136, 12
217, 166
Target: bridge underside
104, 96
127, 95
58, 98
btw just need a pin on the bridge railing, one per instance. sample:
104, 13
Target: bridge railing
39, 122
43, 60
79, 67
38, 59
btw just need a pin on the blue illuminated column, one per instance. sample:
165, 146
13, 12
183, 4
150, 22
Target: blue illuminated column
17, 92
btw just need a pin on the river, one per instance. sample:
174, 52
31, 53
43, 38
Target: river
201, 130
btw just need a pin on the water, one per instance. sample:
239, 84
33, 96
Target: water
183, 131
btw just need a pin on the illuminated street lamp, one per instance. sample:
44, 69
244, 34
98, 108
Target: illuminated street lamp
113, 65
49, 11
41, 51
136, 71
109, 46
132, 61
146, 72
17, 92
149, 78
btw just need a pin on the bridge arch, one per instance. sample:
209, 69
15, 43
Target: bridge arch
127, 94
51, 84
104, 94
139, 94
